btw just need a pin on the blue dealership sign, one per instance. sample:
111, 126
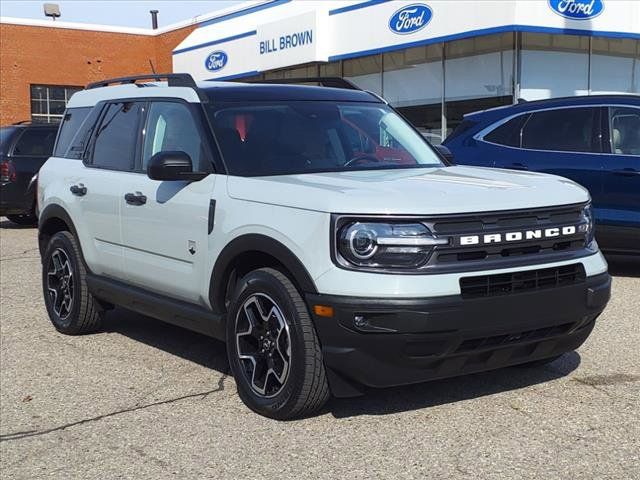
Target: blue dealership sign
410, 19
216, 61
577, 9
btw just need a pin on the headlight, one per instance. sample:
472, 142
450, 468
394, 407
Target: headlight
587, 214
385, 245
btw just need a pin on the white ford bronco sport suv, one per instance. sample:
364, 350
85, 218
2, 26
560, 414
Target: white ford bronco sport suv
315, 231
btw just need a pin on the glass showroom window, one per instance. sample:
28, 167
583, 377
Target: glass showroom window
303, 71
412, 82
331, 69
553, 66
49, 101
478, 75
615, 65
366, 72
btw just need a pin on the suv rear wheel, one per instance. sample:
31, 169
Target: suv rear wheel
72, 309
273, 349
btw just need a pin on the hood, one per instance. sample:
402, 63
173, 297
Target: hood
416, 191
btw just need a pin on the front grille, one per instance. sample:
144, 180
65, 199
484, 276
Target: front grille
489, 343
516, 282
499, 222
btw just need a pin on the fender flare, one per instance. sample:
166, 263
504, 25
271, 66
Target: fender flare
262, 244
49, 212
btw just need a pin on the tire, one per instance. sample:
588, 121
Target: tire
24, 219
280, 341
539, 363
64, 272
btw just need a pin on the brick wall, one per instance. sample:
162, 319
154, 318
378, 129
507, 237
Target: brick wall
61, 56
164, 45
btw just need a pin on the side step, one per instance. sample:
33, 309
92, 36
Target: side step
176, 312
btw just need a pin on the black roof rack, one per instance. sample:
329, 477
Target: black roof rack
173, 80
334, 82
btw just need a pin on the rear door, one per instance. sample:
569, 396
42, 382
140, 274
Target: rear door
562, 141
32, 148
165, 233
620, 205
98, 187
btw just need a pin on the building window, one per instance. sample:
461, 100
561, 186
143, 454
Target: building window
478, 75
48, 102
615, 65
412, 82
331, 69
553, 66
366, 72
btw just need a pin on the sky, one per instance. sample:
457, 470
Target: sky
116, 12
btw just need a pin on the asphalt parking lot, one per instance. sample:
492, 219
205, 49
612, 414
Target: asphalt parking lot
143, 399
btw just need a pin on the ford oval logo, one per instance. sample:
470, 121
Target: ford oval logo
577, 9
410, 19
216, 61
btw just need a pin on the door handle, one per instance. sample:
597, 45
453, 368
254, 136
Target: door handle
627, 172
517, 166
135, 198
79, 190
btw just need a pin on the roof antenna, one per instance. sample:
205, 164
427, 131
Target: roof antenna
152, 69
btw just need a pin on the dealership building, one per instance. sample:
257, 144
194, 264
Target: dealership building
434, 60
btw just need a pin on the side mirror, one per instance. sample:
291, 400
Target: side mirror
173, 165
445, 152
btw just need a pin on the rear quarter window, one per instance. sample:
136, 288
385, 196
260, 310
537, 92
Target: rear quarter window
71, 126
508, 133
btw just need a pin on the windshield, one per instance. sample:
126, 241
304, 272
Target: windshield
283, 138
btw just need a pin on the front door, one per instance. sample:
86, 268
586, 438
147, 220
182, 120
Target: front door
165, 223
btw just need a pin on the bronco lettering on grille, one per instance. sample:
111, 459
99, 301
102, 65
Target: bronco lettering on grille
518, 236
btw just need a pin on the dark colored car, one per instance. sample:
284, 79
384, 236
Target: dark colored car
24, 148
592, 140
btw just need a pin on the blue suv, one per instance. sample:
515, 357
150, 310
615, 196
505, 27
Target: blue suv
592, 140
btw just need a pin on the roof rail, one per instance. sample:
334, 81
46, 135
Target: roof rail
173, 80
335, 82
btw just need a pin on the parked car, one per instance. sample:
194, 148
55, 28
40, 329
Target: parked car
24, 147
593, 140
244, 212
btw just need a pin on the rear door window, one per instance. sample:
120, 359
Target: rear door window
35, 142
566, 130
116, 138
624, 127
71, 124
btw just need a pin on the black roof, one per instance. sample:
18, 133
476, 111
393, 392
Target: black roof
255, 92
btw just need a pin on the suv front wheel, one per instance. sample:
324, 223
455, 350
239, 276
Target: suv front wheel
273, 349
72, 309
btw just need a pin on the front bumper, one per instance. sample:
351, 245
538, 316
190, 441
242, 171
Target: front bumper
385, 342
